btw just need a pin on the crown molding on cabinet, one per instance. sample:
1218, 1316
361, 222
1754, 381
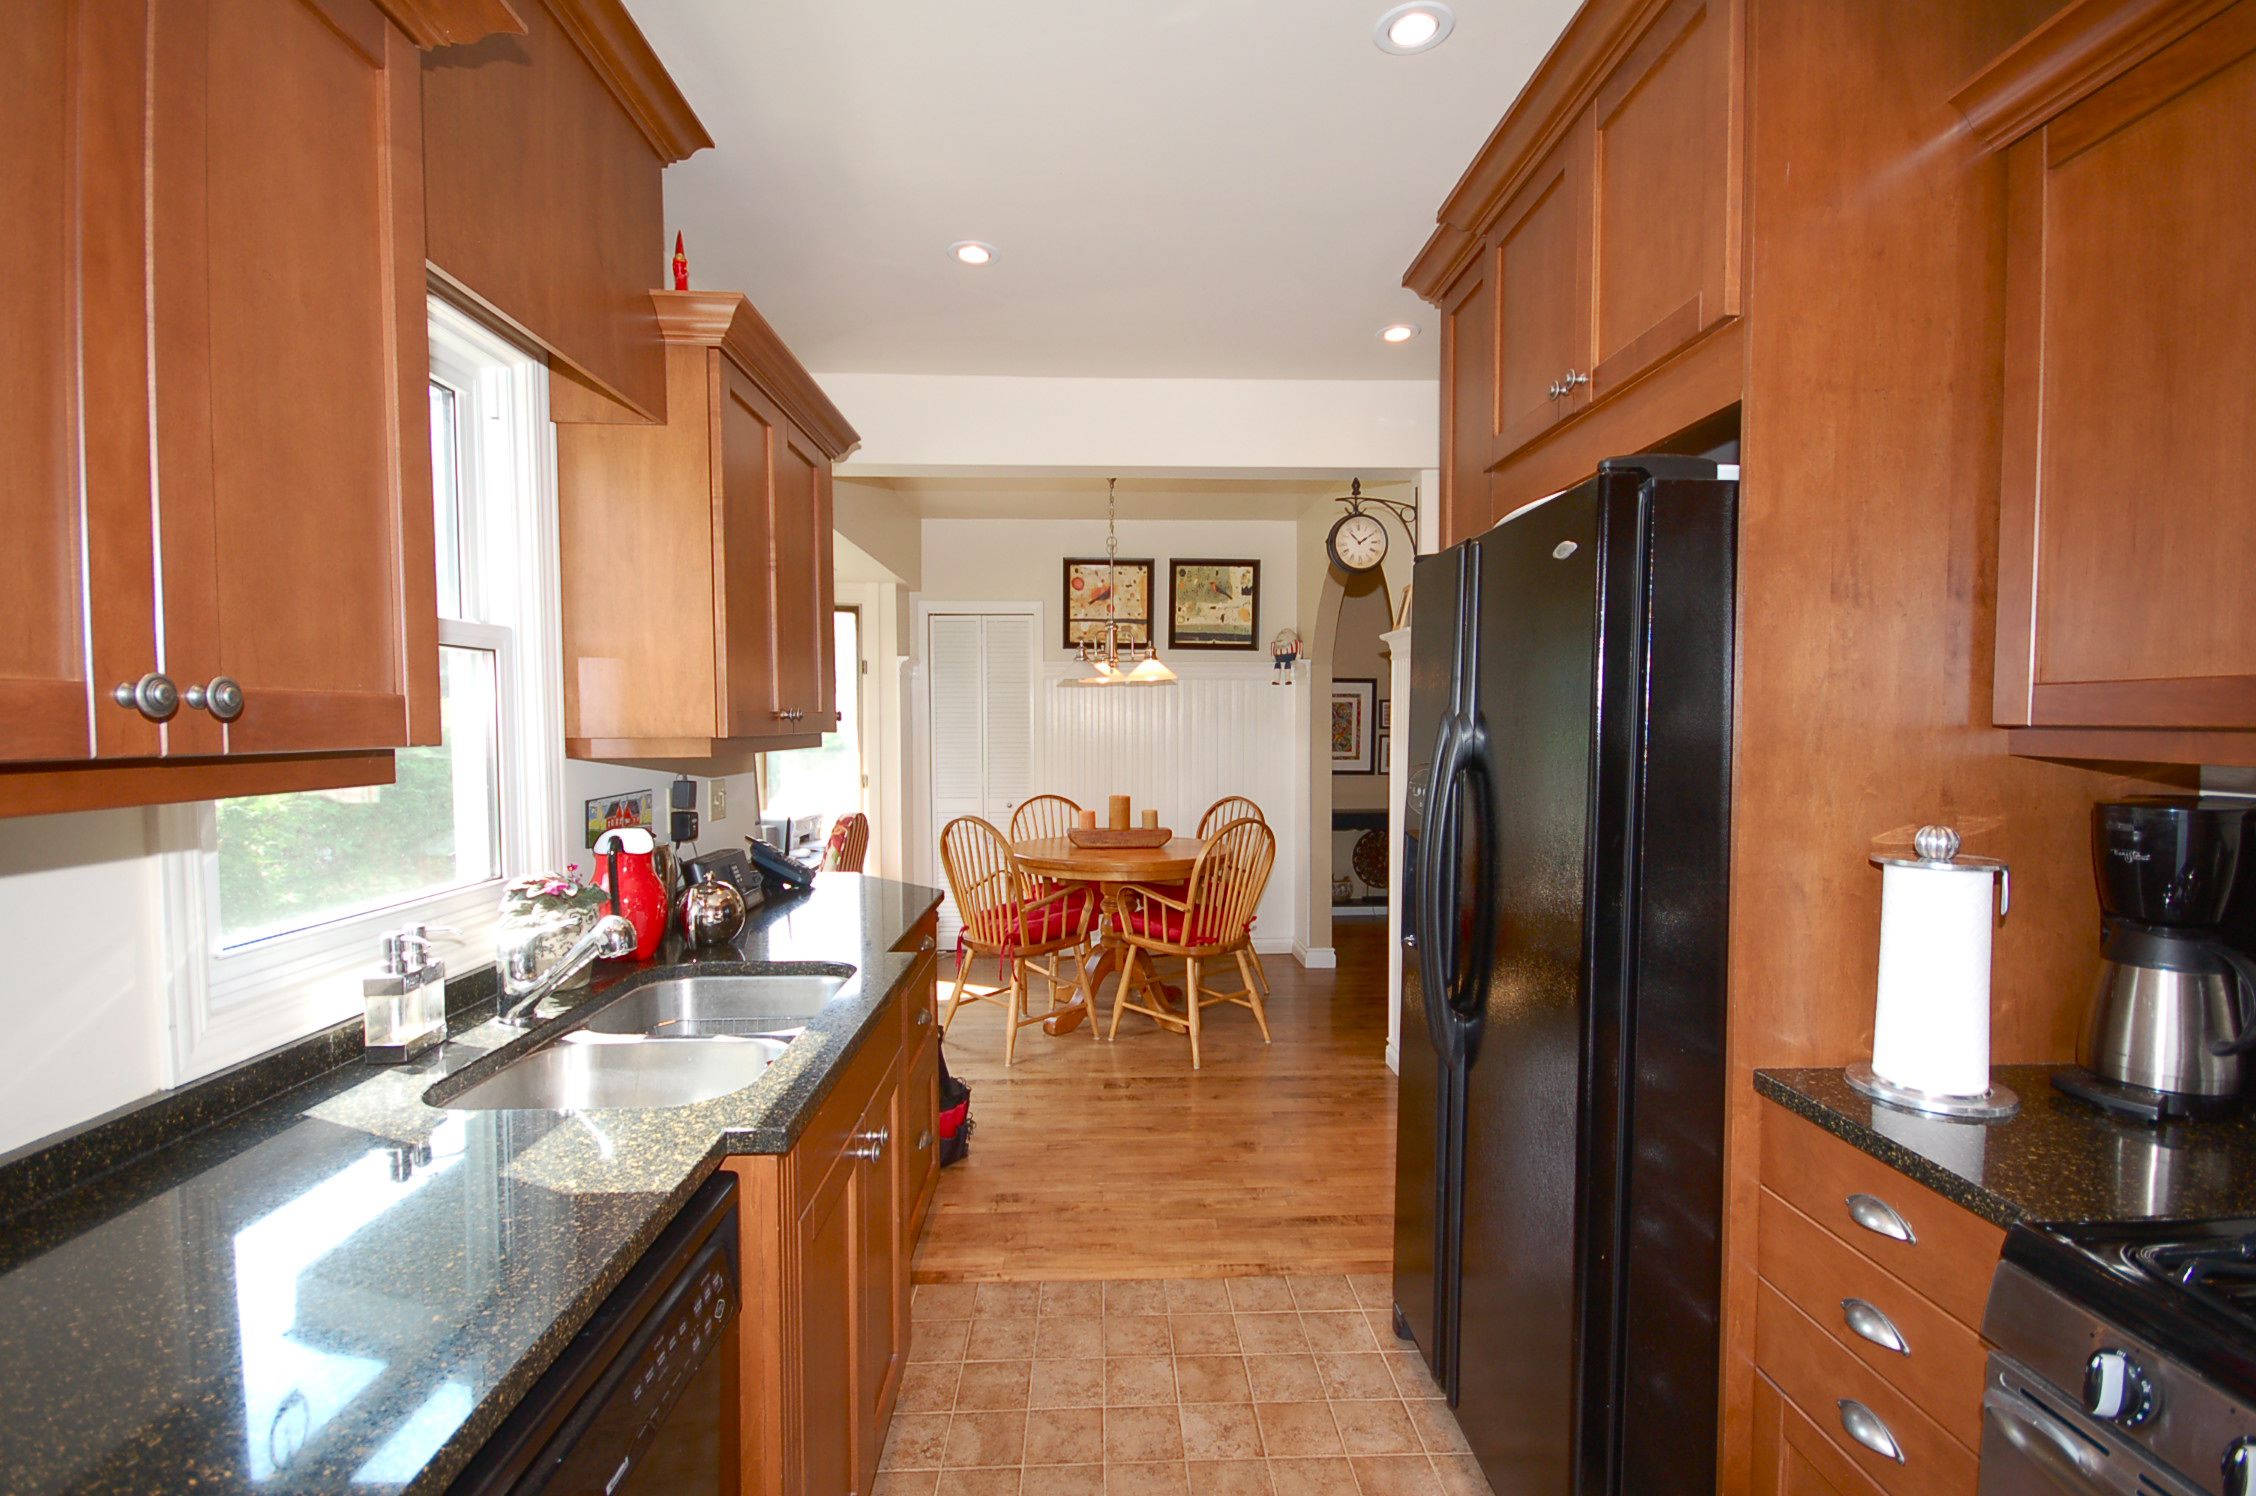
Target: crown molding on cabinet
2071, 56
728, 321
449, 23
614, 46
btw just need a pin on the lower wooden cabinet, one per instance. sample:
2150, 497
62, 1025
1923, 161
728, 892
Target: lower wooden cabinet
1867, 1317
829, 1231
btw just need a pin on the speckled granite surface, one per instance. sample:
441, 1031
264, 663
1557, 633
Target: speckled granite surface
346, 1288
2060, 1159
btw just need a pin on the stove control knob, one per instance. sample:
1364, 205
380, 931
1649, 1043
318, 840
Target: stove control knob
2240, 1467
2116, 1389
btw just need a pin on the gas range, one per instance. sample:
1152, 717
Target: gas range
2125, 1360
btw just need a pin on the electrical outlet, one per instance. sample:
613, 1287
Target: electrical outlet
717, 794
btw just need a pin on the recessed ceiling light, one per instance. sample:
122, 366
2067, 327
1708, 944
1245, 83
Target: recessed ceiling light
1398, 332
1414, 27
973, 252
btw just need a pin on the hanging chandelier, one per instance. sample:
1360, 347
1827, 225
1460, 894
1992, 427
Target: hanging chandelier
1113, 663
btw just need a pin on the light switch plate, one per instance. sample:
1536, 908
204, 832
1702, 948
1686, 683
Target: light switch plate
717, 793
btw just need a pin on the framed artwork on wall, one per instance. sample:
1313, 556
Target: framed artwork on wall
1353, 738
1386, 756
1214, 604
617, 812
1089, 601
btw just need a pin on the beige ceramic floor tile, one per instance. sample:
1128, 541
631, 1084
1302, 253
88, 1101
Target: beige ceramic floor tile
1437, 1426
1136, 1334
1375, 1428
1397, 1475
988, 1386
1259, 1295
1062, 1480
1073, 1298
1134, 1435
1065, 1436
916, 1441
1198, 1296
1229, 1477
1332, 1477
1329, 1292
1460, 1475
1077, 1383
1202, 1334
928, 1387
1411, 1376
1139, 1381
1008, 1300
906, 1483
1221, 1431
1058, 1336
1165, 1478
1355, 1375
1290, 1378
943, 1301
978, 1482
1204, 1379
1333, 1331
1267, 1334
1372, 1290
1002, 1338
1294, 1430
938, 1339
985, 1439
1140, 1296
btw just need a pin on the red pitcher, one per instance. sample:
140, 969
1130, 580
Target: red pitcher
627, 871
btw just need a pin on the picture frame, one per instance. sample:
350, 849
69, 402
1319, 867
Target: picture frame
1213, 604
1386, 714
1351, 725
1386, 753
616, 812
1086, 601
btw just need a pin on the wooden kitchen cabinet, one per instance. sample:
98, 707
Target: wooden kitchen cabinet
213, 238
729, 502
2130, 351
829, 1231
1588, 246
1792, 1458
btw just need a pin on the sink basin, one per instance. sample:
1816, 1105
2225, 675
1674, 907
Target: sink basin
575, 1077
710, 1007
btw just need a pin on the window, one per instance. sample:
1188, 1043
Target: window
826, 781
277, 902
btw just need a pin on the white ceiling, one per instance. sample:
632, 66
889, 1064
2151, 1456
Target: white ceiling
1176, 188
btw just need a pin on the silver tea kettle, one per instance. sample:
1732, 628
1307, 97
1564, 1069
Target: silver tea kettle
712, 911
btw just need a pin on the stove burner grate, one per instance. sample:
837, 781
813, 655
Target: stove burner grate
2218, 1273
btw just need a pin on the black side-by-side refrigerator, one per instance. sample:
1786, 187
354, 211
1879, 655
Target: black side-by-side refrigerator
1558, 1169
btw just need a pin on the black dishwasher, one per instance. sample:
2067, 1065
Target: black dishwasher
644, 1399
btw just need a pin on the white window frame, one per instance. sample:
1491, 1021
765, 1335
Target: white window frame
230, 1005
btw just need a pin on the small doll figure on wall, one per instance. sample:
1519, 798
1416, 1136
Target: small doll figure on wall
1284, 653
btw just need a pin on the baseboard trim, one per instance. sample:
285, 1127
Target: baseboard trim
1393, 1058
1317, 957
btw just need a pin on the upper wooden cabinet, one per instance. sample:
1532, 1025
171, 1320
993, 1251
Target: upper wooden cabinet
697, 554
219, 454
1597, 235
2130, 352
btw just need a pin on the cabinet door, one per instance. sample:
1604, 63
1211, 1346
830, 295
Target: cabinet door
801, 521
1665, 192
1468, 412
2130, 433
751, 434
1539, 269
293, 443
920, 1125
827, 1313
1791, 1458
881, 1299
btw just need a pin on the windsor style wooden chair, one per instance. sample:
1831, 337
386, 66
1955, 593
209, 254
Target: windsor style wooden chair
1213, 920
849, 844
1221, 813
1043, 932
1042, 815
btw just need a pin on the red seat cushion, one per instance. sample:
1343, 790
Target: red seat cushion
1059, 919
1158, 922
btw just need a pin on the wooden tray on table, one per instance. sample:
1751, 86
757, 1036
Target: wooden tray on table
1134, 836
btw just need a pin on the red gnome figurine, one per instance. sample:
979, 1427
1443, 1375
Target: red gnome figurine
681, 264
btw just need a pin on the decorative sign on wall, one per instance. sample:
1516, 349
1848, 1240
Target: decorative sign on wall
1353, 745
614, 812
1213, 604
1089, 603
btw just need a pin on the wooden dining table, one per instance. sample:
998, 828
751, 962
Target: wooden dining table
1108, 869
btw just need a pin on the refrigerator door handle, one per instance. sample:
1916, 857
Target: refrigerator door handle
1437, 892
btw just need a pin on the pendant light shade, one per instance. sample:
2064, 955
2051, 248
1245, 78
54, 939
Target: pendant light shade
1113, 663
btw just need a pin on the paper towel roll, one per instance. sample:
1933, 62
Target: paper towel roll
1932, 1028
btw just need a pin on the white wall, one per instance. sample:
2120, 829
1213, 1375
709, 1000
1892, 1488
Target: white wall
938, 423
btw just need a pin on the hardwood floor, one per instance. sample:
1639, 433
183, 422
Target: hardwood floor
1117, 1161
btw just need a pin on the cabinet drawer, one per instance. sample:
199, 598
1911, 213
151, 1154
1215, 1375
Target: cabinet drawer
920, 1137
1828, 1383
1945, 1251
831, 1130
919, 1012
1940, 1367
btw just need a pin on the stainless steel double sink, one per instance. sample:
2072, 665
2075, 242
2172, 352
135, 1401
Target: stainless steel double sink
672, 1042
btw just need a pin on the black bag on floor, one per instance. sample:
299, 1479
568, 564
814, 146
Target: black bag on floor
955, 1114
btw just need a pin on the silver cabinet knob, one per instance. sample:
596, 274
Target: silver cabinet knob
924, 1015
1552, 390
223, 698
925, 944
1575, 379
924, 1140
1863, 1425
1878, 1216
1869, 1323
873, 1145
154, 696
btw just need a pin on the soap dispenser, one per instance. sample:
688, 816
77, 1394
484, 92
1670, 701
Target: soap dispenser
405, 998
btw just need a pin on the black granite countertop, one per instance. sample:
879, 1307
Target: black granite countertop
346, 1289
2058, 1159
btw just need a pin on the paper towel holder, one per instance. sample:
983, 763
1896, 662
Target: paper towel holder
1936, 847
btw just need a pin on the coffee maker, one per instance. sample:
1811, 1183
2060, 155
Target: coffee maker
2172, 1026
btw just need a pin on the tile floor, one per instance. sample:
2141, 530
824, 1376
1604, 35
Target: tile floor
1187, 1386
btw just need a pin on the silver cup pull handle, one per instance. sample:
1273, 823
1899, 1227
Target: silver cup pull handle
1874, 1326
1878, 1216
1863, 1425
